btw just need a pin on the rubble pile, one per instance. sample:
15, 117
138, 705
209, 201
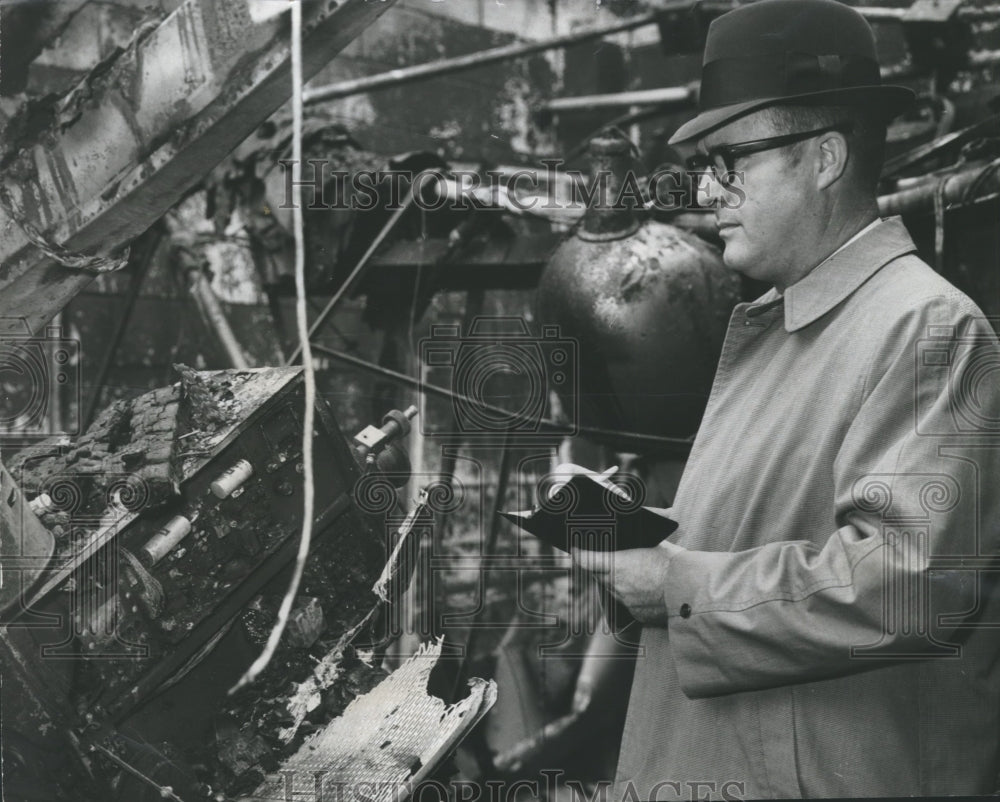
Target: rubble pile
131, 457
152, 460
127, 458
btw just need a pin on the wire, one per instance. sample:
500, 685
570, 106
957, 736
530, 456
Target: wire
362, 263
301, 320
675, 445
625, 119
56, 252
165, 791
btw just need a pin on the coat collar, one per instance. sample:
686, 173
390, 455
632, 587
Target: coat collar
837, 277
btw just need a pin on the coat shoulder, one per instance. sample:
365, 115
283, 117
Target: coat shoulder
908, 287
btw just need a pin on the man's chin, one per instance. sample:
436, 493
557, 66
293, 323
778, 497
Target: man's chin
736, 259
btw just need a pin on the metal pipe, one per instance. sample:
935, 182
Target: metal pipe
983, 58
54, 407
686, 95
208, 302
143, 260
673, 95
446, 66
979, 12
881, 13
434, 69
955, 190
887, 14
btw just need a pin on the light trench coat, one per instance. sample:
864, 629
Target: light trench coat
833, 629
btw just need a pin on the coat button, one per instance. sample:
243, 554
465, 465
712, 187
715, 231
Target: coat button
685, 610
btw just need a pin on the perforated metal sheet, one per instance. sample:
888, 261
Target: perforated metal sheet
385, 742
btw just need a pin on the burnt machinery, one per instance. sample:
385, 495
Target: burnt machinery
156, 551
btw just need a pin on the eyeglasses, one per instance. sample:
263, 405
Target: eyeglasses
721, 160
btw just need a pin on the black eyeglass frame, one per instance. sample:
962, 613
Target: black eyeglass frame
722, 158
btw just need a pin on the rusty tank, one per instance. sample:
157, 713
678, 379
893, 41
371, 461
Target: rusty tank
648, 304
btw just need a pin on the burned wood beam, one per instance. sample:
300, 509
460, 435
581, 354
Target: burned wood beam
129, 142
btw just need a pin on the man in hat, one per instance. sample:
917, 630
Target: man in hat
823, 622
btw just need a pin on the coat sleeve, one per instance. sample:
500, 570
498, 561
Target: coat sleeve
916, 513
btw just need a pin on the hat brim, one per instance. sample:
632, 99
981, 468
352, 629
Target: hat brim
892, 99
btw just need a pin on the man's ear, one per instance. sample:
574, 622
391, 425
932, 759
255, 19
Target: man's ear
832, 158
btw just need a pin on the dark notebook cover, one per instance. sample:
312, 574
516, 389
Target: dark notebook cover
588, 511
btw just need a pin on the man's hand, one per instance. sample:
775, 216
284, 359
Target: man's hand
636, 577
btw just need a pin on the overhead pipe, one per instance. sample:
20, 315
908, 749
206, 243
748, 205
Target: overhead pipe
683, 96
667, 95
433, 69
955, 189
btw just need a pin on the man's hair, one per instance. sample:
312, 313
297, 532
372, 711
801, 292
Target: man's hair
866, 140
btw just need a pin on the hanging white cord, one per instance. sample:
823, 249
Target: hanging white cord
310, 379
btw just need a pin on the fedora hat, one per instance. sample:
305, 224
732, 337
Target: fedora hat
788, 52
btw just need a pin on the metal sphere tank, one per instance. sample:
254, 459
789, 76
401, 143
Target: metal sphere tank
648, 304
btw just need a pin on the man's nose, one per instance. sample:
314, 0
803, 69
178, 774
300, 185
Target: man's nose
710, 190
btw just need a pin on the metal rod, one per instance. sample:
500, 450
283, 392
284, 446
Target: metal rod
979, 12
143, 260
673, 95
474, 301
983, 58
433, 69
352, 279
208, 301
674, 445
165, 791
489, 549
881, 13
685, 95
